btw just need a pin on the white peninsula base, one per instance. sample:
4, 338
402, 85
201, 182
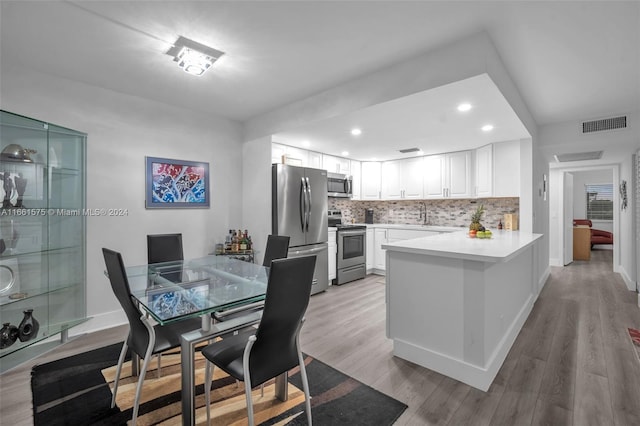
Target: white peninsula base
456, 305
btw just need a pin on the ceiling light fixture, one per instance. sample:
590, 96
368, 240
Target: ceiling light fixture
345, 153
356, 132
464, 107
193, 57
487, 128
306, 144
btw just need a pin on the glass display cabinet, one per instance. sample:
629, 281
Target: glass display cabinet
42, 236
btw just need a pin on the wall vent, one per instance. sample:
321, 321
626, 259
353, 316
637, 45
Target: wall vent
578, 156
408, 150
605, 124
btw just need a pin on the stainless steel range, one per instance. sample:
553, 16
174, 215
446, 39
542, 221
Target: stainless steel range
352, 249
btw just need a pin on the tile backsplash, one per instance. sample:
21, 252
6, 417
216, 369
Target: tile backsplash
450, 212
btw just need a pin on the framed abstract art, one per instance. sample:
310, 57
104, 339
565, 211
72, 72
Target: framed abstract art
176, 184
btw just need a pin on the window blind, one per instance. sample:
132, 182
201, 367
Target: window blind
599, 201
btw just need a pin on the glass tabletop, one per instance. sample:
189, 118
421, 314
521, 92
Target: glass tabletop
173, 291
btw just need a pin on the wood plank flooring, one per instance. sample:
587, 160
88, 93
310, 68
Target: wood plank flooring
572, 364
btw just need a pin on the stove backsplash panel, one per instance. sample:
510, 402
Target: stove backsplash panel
451, 212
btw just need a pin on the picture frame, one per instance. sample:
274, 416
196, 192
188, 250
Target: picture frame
174, 184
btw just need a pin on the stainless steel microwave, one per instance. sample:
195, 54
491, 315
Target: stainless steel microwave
339, 185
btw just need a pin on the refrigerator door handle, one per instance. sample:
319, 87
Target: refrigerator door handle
309, 203
303, 203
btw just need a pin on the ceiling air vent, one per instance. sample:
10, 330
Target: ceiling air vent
605, 124
408, 150
578, 156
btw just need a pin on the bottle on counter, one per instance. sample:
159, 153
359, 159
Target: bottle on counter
500, 224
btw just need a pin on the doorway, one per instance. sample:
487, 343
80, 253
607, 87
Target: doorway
568, 201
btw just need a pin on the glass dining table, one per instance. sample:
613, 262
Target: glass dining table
177, 290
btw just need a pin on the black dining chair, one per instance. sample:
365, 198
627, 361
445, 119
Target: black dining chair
277, 248
144, 339
165, 248
274, 349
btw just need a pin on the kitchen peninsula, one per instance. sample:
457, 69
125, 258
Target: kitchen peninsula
456, 304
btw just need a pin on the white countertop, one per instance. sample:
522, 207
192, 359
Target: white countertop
503, 246
414, 227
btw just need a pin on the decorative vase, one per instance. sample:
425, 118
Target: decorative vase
8, 335
29, 326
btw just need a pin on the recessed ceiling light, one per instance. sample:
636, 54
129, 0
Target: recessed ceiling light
306, 144
487, 128
420, 152
464, 107
193, 57
345, 153
356, 132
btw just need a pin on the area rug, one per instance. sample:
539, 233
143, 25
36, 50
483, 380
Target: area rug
77, 391
635, 339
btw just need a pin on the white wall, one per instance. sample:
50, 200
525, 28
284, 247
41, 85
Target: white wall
122, 130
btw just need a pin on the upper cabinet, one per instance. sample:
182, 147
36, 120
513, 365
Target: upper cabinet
402, 179
370, 186
448, 175
356, 173
484, 171
289, 155
506, 183
336, 164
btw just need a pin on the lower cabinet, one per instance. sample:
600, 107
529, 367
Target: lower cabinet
333, 255
379, 238
369, 250
386, 235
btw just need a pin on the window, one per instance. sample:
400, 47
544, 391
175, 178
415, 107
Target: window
599, 201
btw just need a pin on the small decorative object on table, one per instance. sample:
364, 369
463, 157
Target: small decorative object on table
28, 328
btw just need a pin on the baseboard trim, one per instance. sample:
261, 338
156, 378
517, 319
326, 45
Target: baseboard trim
631, 284
100, 322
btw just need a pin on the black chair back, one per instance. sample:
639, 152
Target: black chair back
164, 248
277, 248
286, 301
139, 334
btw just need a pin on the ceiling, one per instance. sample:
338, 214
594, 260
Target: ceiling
569, 60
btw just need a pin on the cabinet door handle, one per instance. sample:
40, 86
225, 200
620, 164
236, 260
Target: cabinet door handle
443, 192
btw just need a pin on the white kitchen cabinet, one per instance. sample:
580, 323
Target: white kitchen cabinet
379, 238
506, 160
315, 160
370, 185
336, 164
484, 171
370, 249
402, 179
333, 255
356, 174
294, 156
448, 175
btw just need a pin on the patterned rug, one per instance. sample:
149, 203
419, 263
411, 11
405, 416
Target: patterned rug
77, 391
635, 339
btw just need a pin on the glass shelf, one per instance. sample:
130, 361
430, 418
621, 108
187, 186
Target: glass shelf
43, 334
33, 293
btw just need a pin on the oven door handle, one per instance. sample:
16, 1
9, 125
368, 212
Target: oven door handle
359, 232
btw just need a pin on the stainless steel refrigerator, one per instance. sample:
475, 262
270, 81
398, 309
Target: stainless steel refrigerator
299, 210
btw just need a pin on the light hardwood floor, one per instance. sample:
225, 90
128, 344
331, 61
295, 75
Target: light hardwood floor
572, 364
